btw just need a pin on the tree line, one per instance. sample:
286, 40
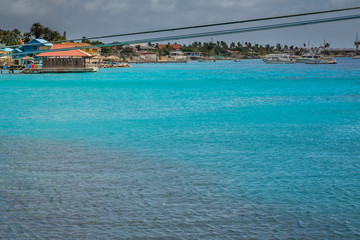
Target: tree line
247, 48
220, 48
37, 30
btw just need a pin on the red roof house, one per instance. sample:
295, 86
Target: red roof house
73, 58
173, 46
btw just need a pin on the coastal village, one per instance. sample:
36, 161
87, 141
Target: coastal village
170, 119
33, 54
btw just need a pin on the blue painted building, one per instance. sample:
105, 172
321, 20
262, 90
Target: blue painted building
29, 48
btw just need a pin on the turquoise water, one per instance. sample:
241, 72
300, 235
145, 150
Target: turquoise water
218, 150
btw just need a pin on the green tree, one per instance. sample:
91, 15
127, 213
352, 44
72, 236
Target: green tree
96, 43
224, 45
127, 50
212, 52
10, 37
106, 50
27, 37
268, 48
85, 40
37, 30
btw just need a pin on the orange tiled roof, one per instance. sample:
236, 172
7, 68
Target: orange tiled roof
67, 53
173, 46
79, 44
63, 45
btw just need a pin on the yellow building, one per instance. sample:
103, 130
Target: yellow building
92, 51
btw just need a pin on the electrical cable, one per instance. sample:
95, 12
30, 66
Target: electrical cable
206, 34
205, 25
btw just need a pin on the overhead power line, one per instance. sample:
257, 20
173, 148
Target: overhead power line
206, 25
206, 34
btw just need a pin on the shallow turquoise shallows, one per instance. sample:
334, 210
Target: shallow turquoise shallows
224, 150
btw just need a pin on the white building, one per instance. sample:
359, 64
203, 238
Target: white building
178, 55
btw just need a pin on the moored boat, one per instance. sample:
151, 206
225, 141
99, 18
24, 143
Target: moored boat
206, 60
278, 59
315, 59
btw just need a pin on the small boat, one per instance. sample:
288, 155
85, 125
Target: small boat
278, 59
237, 60
316, 59
321, 61
206, 60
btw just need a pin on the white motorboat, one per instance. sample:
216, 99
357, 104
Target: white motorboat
278, 59
315, 59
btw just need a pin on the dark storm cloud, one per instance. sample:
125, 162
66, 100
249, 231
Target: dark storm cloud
101, 17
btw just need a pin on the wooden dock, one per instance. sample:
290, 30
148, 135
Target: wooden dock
58, 70
11, 69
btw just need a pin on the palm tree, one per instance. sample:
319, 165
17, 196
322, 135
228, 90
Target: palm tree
37, 30
224, 45
268, 48
47, 34
11, 37
85, 40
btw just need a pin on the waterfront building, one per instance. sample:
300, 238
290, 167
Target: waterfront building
64, 59
6, 50
151, 56
139, 46
193, 55
178, 55
30, 49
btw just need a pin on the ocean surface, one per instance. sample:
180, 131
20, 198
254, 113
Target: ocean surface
222, 150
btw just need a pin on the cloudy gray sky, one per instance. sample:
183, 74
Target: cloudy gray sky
103, 17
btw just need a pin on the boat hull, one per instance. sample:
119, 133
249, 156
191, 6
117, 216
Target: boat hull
320, 61
277, 61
